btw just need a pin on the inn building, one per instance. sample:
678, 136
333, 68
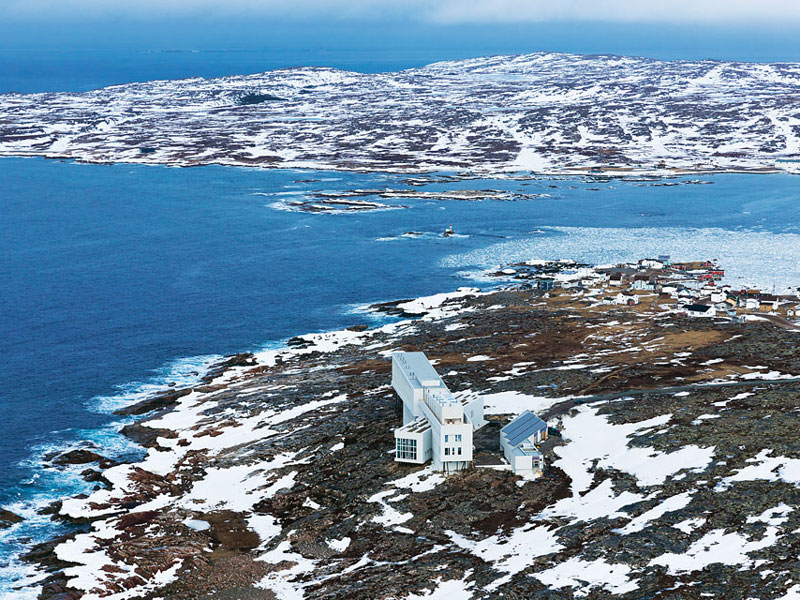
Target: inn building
436, 426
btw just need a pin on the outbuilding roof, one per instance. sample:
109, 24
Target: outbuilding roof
521, 428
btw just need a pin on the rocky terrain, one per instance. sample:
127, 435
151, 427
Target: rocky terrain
675, 475
542, 112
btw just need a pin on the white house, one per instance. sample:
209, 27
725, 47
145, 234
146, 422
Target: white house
643, 282
626, 299
699, 310
651, 263
436, 425
670, 290
717, 296
752, 304
518, 440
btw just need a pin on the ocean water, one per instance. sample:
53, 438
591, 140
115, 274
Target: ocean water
119, 280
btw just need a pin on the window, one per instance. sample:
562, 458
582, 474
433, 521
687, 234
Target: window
459, 450
406, 449
447, 451
458, 437
446, 438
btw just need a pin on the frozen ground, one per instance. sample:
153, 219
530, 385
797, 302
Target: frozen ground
278, 475
542, 112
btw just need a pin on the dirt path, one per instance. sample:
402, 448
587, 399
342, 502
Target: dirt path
781, 322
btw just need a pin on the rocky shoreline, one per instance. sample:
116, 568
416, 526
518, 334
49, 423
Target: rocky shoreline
274, 478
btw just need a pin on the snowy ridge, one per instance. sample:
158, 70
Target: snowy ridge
544, 112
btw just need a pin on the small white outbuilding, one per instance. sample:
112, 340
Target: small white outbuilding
518, 440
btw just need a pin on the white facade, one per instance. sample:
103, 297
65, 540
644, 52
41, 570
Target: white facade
718, 296
436, 425
643, 284
651, 263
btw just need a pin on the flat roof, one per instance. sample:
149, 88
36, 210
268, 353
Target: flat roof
443, 396
418, 367
418, 425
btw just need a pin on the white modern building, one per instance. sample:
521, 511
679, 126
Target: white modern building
518, 440
436, 425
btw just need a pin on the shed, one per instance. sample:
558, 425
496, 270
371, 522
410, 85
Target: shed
518, 440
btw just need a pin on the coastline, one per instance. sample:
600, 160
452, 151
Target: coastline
590, 169
184, 425
156, 401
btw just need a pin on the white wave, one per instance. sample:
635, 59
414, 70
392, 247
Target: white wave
183, 372
759, 258
375, 318
49, 483
17, 574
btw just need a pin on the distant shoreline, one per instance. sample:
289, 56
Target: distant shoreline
586, 171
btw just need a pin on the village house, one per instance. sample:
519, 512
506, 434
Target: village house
436, 425
768, 303
518, 440
626, 299
699, 310
732, 299
644, 281
651, 263
545, 284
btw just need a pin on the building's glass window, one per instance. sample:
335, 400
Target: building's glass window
458, 437
406, 449
446, 438
447, 451
459, 450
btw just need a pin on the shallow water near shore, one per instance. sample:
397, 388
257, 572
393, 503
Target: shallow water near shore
120, 280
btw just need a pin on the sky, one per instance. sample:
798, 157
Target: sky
711, 12
56, 45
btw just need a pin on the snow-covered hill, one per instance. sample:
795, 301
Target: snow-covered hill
543, 112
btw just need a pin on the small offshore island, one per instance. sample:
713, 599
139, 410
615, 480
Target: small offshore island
670, 472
